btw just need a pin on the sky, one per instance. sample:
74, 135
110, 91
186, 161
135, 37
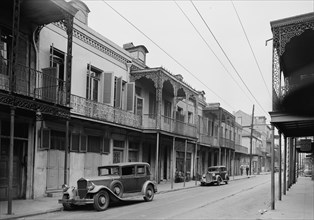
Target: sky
217, 46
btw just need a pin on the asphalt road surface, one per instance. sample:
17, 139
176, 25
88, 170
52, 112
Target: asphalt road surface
242, 199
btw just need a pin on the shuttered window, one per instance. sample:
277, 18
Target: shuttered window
130, 96
118, 92
108, 82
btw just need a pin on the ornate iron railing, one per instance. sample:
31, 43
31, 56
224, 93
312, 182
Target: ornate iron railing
170, 125
33, 83
104, 112
227, 143
241, 149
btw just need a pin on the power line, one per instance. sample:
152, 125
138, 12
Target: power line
187, 17
247, 39
176, 61
227, 56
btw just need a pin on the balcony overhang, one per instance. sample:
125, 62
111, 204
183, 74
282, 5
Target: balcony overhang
293, 125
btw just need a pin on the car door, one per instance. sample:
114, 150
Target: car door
128, 178
141, 177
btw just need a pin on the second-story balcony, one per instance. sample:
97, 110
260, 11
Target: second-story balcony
227, 143
32, 83
241, 149
103, 112
169, 124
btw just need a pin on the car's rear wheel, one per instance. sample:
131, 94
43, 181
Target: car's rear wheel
101, 200
149, 193
67, 206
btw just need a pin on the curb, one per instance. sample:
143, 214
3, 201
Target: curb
31, 214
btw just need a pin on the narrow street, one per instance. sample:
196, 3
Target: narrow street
241, 199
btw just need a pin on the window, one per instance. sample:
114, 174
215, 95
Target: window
4, 52
140, 170
75, 146
94, 144
57, 140
190, 117
152, 105
106, 147
167, 112
128, 170
57, 60
92, 83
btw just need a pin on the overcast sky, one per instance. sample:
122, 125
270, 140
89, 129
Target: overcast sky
241, 28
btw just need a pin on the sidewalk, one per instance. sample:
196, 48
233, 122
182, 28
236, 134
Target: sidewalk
26, 208
298, 203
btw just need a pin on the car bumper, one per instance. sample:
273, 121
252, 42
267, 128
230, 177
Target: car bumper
76, 201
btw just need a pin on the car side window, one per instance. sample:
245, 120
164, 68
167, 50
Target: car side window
128, 170
140, 170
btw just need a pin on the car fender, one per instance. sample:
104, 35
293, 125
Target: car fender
218, 177
97, 188
146, 184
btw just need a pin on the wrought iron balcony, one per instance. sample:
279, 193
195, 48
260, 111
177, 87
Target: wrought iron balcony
227, 143
32, 83
170, 125
241, 149
104, 112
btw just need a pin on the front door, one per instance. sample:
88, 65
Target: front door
19, 168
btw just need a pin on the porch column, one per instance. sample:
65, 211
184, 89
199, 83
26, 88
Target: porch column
69, 30
66, 152
185, 149
157, 154
285, 167
212, 161
272, 169
226, 163
172, 161
195, 163
10, 181
280, 177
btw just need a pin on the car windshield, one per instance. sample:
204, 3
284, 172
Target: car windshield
213, 169
103, 171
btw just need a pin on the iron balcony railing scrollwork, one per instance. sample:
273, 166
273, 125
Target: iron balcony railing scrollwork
169, 124
33, 83
104, 112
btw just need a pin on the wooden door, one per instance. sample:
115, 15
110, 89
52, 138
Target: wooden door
55, 169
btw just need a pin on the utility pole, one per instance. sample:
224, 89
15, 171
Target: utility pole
251, 137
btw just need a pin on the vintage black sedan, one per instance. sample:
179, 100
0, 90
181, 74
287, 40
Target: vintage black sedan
114, 182
215, 174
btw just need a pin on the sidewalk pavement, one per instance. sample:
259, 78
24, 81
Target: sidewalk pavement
298, 203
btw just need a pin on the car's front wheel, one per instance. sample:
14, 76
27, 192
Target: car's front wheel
218, 181
67, 206
101, 200
149, 193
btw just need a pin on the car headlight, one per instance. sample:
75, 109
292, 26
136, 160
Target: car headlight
91, 187
204, 176
65, 187
213, 175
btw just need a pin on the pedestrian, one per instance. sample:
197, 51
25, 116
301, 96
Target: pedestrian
247, 170
241, 168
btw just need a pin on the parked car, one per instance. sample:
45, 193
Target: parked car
307, 172
114, 183
215, 174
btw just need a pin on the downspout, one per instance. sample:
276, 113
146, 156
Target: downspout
35, 129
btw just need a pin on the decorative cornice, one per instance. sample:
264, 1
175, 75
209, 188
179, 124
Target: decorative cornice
94, 43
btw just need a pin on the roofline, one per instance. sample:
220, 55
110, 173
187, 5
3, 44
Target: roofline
292, 20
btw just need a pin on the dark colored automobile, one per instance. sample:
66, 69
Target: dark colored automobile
114, 183
215, 174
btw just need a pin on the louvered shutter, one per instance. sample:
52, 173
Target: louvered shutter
108, 82
130, 96
118, 92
